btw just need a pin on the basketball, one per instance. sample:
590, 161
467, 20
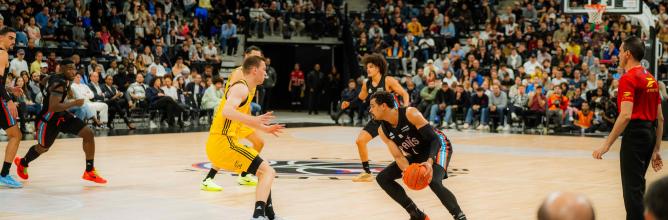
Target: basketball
416, 177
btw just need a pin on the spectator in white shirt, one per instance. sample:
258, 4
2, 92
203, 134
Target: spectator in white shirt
82, 91
169, 89
18, 64
211, 53
530, 66
213, 94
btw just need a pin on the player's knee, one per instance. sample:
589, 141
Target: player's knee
14, 133
360, 142
382, 178
86, 133
265, 169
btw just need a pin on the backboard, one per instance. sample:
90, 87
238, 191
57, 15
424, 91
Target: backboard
612, 6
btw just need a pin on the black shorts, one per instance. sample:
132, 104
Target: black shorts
372, 128
50, 124
7, 120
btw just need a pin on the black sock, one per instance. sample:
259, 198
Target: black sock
30, 156
5, 169
89, 165
270, 209
244, 173
212, 174
259, 209
413, 210
365, 165
459, 216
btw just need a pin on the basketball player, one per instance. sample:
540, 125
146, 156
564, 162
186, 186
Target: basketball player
376, 68
223, 147
244, 131
7, 120
54, 118
411, 139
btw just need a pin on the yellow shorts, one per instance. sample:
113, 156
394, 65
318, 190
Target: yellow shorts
244, 131
227, 153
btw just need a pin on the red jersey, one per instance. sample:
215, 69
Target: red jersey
297, 78
639, 87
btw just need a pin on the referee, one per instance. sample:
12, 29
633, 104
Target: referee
639, 102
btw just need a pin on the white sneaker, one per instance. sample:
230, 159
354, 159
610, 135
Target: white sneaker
486, 127
513, 116
506, 128
3, 132
480, 127
453, 125
466, 126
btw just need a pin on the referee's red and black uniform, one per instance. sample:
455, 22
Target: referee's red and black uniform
637, 86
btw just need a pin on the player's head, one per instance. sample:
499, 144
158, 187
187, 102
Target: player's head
656, 200
7, 38
68, 69
253, 51
561, 205
255, 69
375, 64
632, 49
381, 104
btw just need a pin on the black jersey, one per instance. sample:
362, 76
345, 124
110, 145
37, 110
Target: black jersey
52, 83
3, 81
407, 137
373, 89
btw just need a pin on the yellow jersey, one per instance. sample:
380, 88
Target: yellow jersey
236, 74
227, 127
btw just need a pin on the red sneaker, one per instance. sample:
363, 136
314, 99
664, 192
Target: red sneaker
21, 171
94, 177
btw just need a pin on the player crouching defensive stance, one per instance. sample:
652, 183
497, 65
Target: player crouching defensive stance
411, 139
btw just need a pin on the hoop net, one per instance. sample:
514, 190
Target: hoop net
595, 12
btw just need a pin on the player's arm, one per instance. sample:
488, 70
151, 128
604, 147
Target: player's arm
3, 65
427, 131
57, 92
236, 94
361, 96
657, 163
399, 90
401, 160
626, 93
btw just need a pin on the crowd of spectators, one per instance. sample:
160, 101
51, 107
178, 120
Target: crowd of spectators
477, 64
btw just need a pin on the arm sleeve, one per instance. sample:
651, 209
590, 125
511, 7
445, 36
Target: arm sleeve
428, 133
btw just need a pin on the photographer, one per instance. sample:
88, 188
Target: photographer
557, 105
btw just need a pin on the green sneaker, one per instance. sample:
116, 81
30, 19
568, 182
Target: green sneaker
248, 180
209, 185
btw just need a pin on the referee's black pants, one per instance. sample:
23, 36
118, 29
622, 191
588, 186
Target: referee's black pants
634, 158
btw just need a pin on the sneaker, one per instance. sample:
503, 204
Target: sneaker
20, 169
513, 116
209, 185
9, 181
152, 125
506, 128
453, 125
260, 218
466, 126
363, 177
486, 127
93, 177
247, 180
480, 127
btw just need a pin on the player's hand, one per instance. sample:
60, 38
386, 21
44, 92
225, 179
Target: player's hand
657, 163
12, 108
266, 117
345, 105
274, 129
428, 164
598, 153
78, 102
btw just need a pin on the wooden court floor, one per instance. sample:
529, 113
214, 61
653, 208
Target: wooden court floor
494, 176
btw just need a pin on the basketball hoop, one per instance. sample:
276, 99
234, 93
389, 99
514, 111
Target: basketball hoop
595, 12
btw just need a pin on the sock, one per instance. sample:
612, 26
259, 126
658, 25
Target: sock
30, 156
365, 165
89, 165
259, 209
460, 216
212, 173
5, 169
243, 173
270, 209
